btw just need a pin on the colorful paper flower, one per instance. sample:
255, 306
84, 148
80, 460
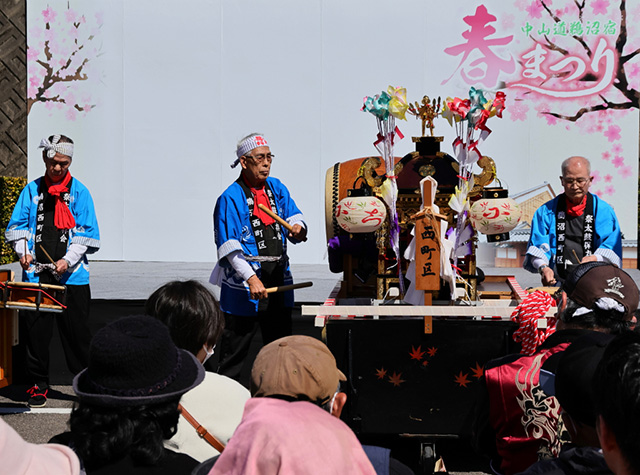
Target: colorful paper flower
398, 104
378, 105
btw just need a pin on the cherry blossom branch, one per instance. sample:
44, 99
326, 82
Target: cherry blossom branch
550, 45
621, 83
598, 107
621, 41
627, 57
52, 78
57, 69
580, 8
557, 19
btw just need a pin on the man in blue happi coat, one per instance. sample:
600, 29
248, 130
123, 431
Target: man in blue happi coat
572, 228
52, 229
252, 254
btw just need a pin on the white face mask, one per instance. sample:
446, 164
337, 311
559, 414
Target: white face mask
208, 354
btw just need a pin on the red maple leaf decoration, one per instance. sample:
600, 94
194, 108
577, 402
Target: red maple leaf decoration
395, 379
432, 351
478, 371
381, 373
462, 380
416, 354
425, 362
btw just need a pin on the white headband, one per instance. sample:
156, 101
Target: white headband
247, 145
52, 147
603, 303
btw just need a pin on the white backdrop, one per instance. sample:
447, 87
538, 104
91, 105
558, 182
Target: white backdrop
172, 87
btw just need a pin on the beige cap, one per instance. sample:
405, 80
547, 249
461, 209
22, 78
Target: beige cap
296, 366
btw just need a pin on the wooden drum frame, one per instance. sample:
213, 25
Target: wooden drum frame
33, 296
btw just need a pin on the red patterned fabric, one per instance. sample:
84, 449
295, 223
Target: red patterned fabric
260, 197
526, 315
63, 219
576, 210
526, 421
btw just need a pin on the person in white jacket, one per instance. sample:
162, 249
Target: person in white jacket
195, 323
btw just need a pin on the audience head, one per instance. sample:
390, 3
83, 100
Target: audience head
283, 428
191, 313
129, 393
298, 368
617, 395
574, 386
599, 296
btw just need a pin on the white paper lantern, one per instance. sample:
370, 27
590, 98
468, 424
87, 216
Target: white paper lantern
360, 214
495, 214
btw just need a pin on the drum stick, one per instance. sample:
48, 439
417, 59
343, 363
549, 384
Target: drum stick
576, 256
284, 288
286, 225
47, 254
35, 285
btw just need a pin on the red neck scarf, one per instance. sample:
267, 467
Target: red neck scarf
576, 210
63, 219
260, 197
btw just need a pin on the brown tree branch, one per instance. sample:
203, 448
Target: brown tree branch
47, 50
621, 41
77, 76
580, 9
551, 14
597, 107
54, 99
627, 57
82, 109
621, 82
51, 78
557, 19
550, 45
31, 102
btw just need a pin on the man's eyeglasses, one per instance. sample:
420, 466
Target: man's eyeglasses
571, 181
262, 157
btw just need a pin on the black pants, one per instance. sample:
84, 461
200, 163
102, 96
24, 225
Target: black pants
274, 322
73, 326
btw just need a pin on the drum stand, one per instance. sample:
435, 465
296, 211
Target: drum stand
22, 296
8, 334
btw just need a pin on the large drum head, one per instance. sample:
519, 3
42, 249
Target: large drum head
342, 177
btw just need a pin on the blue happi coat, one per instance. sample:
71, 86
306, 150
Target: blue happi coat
23, 225
233, 232
607, 239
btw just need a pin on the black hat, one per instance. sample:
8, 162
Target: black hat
574, 376
594, 280
133, 361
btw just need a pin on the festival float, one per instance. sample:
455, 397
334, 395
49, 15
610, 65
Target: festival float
413, 320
